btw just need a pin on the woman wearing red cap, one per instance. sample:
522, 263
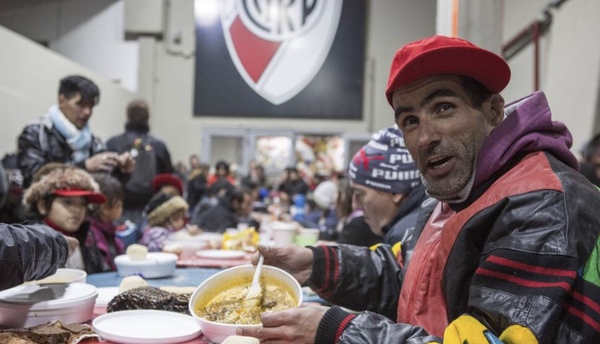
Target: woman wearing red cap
59, 198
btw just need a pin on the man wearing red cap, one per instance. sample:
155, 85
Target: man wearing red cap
508, 254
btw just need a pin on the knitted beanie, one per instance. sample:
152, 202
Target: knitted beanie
162, 206
385, 164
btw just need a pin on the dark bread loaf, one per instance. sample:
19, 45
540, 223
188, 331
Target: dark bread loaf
149, 298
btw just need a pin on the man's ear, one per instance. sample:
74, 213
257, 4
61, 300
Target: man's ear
398, 198
41, 207
61, 99
496, 109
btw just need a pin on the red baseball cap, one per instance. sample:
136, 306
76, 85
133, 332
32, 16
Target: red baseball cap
167, 179
446, 55
90, 196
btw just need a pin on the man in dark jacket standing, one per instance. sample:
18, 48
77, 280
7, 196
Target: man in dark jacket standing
63, 134
151, 154
510, 252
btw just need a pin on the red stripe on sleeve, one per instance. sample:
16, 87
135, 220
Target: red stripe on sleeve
531, 268
521, 281
587, 301
584, 317
343, 325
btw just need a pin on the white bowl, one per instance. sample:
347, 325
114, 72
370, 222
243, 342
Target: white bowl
31, 305
217, 332
156, 265
63, 276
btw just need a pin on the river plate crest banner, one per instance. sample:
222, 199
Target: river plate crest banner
280, 58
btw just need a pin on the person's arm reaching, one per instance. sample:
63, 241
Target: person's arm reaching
30, 252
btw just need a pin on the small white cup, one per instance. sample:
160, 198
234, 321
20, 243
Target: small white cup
283, 233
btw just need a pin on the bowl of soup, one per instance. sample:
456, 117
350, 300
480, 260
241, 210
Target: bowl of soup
219, 305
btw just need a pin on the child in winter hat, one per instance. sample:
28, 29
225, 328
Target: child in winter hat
166, 214
59, 198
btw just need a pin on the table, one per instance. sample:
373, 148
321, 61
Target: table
188, 258
183, 277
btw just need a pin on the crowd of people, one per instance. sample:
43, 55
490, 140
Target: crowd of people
466, 221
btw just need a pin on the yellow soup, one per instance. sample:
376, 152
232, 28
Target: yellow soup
230, 307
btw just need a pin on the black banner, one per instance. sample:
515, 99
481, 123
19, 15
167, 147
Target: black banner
302, 59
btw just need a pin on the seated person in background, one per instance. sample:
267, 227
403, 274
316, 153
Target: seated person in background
323, 215
168, 183
292, 184
256, 175
63, 134
236, 203
590, 166
166, 214
103, 218
510, 252
30, 252
216, 191
352, 228
222, 173
196, 183
387, 186
59, 199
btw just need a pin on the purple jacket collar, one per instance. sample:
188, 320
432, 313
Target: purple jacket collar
528, 127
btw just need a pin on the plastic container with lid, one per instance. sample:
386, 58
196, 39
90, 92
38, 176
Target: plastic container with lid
156, 265
30, 305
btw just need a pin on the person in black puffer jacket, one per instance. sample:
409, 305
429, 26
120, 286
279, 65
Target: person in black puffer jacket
63, 134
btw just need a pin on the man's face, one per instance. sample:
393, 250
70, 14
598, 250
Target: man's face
378, 206
443, 131
76, 111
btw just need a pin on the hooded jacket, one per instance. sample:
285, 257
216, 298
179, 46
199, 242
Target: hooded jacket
402, 226
514, 261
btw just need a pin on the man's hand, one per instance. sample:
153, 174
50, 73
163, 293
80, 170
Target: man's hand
295, 260
102, 162
126, 162
296, 325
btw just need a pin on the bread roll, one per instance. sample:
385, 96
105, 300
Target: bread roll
131, 282
137, 252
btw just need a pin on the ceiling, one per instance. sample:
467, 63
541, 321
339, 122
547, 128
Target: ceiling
10, 5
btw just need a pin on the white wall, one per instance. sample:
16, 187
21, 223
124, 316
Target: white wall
29, 85
89, 32
106, 53
570, 62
